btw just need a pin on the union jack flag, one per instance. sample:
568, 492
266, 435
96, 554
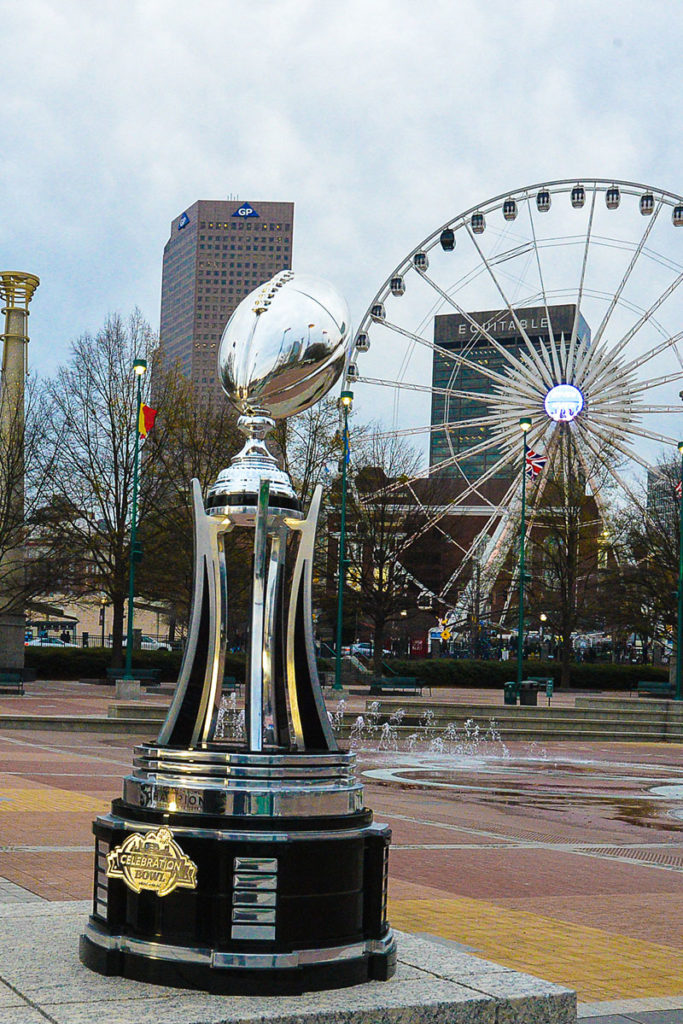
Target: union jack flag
678, 490
534, 463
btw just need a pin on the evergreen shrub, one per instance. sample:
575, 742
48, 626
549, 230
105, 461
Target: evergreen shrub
583, 675
93, 662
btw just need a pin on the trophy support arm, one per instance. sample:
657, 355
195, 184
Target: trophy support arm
191, 714
311, 723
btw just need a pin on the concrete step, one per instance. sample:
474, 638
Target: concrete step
637, 705
542, 723
134, 709
505, 712
79, 723
535, 735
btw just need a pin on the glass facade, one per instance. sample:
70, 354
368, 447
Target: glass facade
454, 333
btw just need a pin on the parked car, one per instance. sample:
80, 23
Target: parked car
48, 641
148, 643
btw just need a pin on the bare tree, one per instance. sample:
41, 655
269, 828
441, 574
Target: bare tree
91, 438
198, 440
26, 465
384, 516
644, 580
568, 548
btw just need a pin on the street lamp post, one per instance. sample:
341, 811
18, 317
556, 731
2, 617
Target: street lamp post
679, 637
139, 367
346, 400
525, 425
103, 605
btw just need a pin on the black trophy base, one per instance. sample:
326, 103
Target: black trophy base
238, 981
288, 908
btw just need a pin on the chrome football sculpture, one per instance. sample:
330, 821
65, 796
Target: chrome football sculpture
282, 350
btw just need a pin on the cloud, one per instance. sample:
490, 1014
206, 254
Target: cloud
379, 120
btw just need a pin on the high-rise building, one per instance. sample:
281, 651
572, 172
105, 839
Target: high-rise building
453, 333
218, 252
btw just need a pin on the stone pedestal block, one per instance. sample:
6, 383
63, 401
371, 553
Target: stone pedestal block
12, 632
128, 689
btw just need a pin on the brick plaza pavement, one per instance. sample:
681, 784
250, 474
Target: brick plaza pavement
564, 861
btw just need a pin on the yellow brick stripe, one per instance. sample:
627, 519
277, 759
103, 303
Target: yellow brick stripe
48, 799
599, 965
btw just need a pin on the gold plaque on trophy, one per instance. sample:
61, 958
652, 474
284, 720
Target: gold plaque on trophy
152, 861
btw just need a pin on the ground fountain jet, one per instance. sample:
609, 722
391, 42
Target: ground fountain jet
254, 866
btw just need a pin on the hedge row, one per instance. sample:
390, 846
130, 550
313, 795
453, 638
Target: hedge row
92, 663
584, 676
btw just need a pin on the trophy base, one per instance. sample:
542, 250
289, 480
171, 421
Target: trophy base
241, 903
214, 972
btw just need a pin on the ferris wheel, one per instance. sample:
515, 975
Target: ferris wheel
560, 303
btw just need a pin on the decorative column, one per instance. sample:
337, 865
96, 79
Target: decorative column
16, 292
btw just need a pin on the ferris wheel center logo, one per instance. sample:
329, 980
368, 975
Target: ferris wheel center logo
563, 403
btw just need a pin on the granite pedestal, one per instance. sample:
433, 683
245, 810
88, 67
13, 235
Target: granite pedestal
41, 979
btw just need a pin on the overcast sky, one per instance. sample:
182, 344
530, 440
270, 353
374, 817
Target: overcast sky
379, 119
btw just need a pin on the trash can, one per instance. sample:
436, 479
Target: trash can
510, 693
529, 694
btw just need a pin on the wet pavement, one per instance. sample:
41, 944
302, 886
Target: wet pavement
563, 860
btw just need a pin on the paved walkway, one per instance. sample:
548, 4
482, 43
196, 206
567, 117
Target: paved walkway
565, 862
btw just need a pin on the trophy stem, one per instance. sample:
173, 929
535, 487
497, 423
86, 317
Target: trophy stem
254, 715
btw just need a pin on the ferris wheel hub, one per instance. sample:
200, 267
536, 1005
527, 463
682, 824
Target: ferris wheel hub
563, 403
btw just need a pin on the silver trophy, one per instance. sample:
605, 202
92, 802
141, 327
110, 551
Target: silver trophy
250, 866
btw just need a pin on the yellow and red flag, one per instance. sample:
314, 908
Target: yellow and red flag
146, 419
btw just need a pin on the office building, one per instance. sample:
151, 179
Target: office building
454, 333
218, 252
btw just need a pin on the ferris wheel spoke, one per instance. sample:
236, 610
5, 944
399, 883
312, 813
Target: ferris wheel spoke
611, 441
447, 537
609, 465
521, 369
661, 346
569, 366
543, 370
659, 410
402, 385
437, 467
457, 501
461, 360
500, 514
451, 426
554, 355
621, 345
622, 284
507, 458
596, 489
636, 389
635, 431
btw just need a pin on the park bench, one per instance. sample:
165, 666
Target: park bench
656, 688
397, 684
148, 676
11, 682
